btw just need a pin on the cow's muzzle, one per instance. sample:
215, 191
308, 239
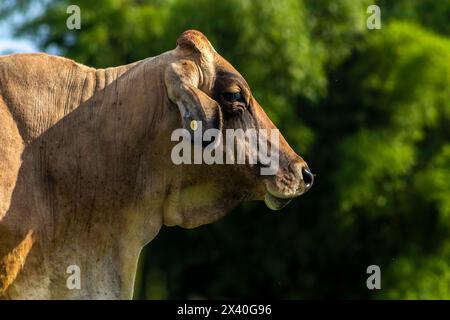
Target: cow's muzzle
305, 178
308, 178
275, 203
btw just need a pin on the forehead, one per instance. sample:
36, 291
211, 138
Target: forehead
226, 74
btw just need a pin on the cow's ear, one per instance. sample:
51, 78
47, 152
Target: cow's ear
197, 109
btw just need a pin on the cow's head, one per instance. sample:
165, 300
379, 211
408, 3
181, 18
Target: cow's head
211, 94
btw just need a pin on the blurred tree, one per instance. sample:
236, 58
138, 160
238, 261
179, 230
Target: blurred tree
394, 164
432, 14
368, 109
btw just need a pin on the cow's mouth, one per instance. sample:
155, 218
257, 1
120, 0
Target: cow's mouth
275, 203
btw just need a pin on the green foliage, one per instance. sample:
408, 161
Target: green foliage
419, 278
368, 110
432, 14
412, 105
394, 169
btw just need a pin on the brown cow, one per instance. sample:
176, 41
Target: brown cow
86, 170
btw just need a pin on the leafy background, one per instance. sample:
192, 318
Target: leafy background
368, 109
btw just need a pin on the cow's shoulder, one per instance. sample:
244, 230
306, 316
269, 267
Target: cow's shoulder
40, 60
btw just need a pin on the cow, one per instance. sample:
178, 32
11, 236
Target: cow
86, 171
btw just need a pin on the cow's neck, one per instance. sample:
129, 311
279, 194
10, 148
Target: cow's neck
98, 205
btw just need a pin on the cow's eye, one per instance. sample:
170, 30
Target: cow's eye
233, 96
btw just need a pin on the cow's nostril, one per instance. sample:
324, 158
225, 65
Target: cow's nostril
308, 178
